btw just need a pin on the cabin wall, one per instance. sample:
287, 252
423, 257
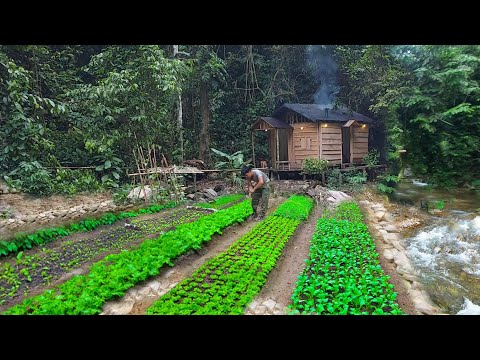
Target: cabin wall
331, 144
272, 148
305, 143
359, 143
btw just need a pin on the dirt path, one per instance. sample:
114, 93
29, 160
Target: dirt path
275, 295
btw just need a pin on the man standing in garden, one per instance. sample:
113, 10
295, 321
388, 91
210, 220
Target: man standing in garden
258, 188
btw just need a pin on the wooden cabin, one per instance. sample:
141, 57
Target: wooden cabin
300, 131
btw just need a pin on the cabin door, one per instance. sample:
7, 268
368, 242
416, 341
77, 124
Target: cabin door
283, 144
345, 145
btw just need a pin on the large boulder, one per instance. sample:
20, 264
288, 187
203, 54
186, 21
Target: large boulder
139, 193
335, 197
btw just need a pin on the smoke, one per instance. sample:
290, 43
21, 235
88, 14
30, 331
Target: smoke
324, 68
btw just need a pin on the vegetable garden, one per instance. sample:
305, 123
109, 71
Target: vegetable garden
342, 274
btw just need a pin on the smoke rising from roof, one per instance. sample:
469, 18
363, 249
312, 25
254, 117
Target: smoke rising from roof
324, 68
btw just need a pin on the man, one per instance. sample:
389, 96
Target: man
258, 188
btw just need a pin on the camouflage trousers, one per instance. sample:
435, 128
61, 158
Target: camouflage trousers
260, 196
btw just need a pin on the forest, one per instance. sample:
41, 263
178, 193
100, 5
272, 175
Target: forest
71, 115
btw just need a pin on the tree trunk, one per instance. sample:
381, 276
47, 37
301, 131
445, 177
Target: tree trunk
179, 113
204, 144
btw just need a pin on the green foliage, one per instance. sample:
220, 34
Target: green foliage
439, 204
440, 113
371, 158
386, 183
342, 275
333, 178
233, 161
33, 178
296, 207
314, 166
345, 210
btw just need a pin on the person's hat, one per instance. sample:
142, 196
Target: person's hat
246, 169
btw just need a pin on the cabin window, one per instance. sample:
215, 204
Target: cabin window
305, 143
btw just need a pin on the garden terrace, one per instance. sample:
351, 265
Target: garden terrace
343, 274
112, 276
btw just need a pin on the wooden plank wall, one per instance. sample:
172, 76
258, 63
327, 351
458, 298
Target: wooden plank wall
331, 143
272, 147
305, 142
359, 143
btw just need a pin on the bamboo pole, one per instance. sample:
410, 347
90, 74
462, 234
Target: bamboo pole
142, 187
253, 147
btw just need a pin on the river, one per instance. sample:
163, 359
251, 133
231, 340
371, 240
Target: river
446, 250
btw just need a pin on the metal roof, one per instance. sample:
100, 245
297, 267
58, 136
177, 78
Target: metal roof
315, 112
273, 122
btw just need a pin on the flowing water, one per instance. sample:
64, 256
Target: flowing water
446, 251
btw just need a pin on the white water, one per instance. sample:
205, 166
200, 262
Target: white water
448, 257
419, 183
469, 308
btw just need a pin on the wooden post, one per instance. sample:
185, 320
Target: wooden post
194, 182
278, 147
351, 144
253, 147
323, 178
319, 136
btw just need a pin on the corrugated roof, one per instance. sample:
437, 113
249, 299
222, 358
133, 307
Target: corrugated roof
273, 122
315, 112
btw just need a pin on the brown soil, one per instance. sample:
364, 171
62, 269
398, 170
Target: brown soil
29, 205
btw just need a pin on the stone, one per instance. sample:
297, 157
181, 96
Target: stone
379, 215
391, 228
154, 285
387, 254
118, 308
391, 237
270, 304
403, 264
211, 192
378, 207
388, 217
410, 277
260, 310
136, 193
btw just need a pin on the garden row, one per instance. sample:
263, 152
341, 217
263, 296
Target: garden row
228, 282
116, 273
38, 267
342, 274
